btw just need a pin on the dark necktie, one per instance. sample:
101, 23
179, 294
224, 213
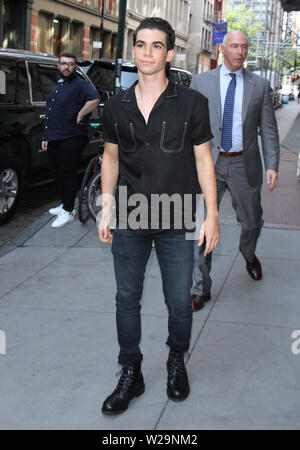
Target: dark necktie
226, 140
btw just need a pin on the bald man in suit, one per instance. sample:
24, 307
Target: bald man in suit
240, 105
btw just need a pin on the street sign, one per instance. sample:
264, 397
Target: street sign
219, 31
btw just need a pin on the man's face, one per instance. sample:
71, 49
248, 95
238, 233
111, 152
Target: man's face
150, 52
66, 66
235, 51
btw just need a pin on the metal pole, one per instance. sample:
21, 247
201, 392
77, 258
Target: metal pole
101, 31
120, 43
1, 23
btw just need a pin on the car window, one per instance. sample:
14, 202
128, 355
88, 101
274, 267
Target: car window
103, 77
173, 76
22, 88
128, 78
8, 68
44, 78
185, 78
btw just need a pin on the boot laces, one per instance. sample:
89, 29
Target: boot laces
127, 375
176, 365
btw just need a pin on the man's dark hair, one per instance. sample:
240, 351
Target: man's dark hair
155, 23
68, 55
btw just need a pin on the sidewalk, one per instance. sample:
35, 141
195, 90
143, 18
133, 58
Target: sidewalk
57, 311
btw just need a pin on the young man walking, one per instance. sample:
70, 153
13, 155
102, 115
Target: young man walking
156, 142
65, 133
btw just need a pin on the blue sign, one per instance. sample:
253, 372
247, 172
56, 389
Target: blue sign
219, 31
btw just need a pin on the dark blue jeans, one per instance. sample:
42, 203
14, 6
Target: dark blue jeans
131, 252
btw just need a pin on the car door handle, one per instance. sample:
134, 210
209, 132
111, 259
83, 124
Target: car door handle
42, 116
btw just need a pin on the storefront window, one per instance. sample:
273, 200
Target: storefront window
44, 33
94, 37
75, 41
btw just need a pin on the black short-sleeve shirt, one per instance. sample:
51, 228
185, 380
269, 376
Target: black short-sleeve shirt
158, 157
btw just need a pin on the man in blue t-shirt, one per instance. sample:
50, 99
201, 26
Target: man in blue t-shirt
65, 133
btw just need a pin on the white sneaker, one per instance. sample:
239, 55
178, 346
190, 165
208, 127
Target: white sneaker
63, 219
56, 211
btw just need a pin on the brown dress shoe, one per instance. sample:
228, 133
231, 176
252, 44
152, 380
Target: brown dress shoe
199, 301
254, 269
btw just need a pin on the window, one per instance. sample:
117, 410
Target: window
44, 78
186, 78
8, 73
22, 88
60, 36
75, 38
103, 77
44, 33
94, 37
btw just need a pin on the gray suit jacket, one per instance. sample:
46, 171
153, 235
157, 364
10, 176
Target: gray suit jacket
258, 113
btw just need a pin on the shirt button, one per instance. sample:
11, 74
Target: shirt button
53, 99
46, 126
147, 144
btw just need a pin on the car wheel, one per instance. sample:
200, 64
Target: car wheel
11, 185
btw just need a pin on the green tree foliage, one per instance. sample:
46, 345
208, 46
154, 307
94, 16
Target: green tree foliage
243, 19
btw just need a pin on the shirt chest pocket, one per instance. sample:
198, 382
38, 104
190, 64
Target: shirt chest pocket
126, 138
172, 137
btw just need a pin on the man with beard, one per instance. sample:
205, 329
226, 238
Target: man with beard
65, 133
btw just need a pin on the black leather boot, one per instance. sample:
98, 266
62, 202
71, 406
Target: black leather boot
130, 385
178, 384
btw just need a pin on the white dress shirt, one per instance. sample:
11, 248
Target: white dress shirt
237, 123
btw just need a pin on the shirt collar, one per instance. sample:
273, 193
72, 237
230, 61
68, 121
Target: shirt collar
225, 71
170, 92
68, 80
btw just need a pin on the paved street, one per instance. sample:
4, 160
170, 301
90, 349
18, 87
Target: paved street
34, 202
57, 311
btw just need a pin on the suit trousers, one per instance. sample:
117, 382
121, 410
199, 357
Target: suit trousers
246, 201
64, 161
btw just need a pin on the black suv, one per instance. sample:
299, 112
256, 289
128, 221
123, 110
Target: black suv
26, 79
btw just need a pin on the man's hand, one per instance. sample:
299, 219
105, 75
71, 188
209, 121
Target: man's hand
88, 107
79, 118
211, 231
105, 234
44, 145
272, 179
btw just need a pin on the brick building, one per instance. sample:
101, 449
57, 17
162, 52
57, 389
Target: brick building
202, 54
55, 26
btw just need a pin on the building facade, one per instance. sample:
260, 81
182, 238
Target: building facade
57, 26
15, 25
72, 26
177, 12
266, 46
202, 54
